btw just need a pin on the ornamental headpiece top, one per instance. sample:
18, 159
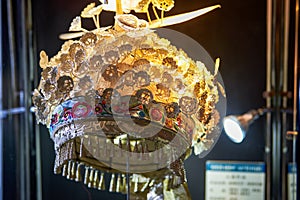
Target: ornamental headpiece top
122, 99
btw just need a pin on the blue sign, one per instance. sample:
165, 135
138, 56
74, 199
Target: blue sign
292, 168
236, 167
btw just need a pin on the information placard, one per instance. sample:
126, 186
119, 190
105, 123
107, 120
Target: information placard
292, 181
228, 180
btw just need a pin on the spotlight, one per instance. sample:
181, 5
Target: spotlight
236, 126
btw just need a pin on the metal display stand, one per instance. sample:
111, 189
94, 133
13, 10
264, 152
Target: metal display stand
278, 26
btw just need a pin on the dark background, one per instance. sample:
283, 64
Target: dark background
236, 33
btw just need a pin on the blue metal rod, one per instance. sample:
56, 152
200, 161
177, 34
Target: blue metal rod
1, 134
12, 111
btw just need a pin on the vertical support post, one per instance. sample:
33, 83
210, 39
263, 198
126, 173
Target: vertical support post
34, 77
276, 78
296, 66
25, 93
128, 172
12, 95
285, 58
1, 107
269, 58
277, 100
296, 97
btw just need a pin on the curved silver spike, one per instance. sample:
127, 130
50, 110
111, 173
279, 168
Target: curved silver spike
180, 18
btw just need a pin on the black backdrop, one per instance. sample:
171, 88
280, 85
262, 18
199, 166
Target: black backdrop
236, 33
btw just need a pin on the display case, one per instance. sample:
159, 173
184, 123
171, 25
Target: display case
257, 44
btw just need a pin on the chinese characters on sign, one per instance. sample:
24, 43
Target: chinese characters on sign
234, 180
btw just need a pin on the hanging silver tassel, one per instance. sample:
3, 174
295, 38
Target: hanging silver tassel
91, 178
119, 184
151, 183
78, 174
72, 175
96, 179
145, 185
169, 183
135, 181
86, 176
64, 171
69, 169
124, 184
101, 185
112, 185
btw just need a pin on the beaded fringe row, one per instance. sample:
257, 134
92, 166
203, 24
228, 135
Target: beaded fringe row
94, 178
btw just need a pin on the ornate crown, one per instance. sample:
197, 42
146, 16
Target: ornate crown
122, 99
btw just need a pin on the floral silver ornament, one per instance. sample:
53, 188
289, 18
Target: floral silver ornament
125, 49
188, 105
141, 64
166, 78
142, 79
96, 62
107, 96
162, 91
49, 74
169, 62
172, 110
111, 57
65, 84
89, 39
48, 89
110, 73
144, 96
129, 78
67, 63
85, 83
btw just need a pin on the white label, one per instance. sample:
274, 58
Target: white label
234, 180
292, 181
